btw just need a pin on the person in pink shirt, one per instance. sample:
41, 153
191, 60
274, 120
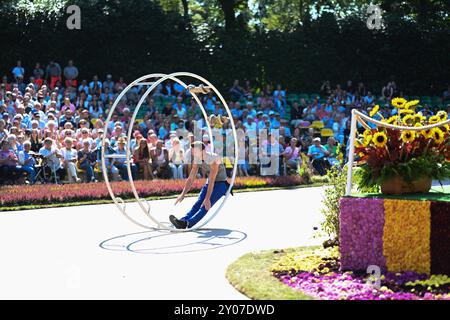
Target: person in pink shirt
67, 105
9, 163
292, 154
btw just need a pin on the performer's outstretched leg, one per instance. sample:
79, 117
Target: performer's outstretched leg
193, 217
198, 211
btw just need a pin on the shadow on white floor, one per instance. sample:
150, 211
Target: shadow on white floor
165, 242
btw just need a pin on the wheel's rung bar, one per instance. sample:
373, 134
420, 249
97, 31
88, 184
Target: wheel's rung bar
116, 156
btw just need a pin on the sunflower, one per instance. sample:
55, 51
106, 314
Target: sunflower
392, 120
429, 133
445, 128
374, 110
407, 111
442, 115
434, 119
367, 140
398, 102
367, 132
408, 136
411, 104
438, 136
418, 117
380, 139
409, 119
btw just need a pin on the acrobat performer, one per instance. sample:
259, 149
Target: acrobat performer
216, 185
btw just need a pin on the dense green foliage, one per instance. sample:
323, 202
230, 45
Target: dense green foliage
336, 190
431, 166
296, 43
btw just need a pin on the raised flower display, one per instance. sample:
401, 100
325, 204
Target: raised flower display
404, 161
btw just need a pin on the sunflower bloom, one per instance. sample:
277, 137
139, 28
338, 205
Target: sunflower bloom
367, 132
408, 136
407, 111
438, 136
374, 110
418, 117
411, 104
398, 102
409, 120
434, 119
392, 120
445, 128
442, 115
429, 133
380, 139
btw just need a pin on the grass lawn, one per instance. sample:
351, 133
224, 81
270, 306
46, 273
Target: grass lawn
251, 275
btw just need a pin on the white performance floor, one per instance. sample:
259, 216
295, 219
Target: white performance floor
93, 252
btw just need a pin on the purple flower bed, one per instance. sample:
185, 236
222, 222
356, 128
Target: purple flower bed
348, 286
322, 278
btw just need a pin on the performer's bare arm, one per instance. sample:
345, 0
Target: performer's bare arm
211, 179
189, 181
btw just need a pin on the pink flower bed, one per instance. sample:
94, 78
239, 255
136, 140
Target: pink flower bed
50, 193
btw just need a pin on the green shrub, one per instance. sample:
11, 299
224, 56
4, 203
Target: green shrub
337, 183
320, 179
304, 171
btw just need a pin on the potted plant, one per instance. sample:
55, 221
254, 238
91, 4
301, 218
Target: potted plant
404, 161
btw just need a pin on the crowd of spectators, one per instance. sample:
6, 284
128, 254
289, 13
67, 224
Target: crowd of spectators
52, 125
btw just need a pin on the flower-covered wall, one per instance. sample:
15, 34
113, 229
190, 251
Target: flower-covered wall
396, 235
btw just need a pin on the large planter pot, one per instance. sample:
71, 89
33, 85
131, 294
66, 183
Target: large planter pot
397, 185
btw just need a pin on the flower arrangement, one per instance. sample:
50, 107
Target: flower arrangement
384, 153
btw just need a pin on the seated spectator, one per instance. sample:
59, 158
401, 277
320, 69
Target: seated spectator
292, 155
176, 158
69, 158
108, 83
141, 156
180, 108
3, 131
51, 156
109, 162
160, 160
332, 152
317, 153
9, 163
121, 163
95, 86
27, 161
86, 160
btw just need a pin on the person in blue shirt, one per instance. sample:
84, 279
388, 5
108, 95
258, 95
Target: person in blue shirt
27, 162
275, 120
317, 153
236, 111
120, 163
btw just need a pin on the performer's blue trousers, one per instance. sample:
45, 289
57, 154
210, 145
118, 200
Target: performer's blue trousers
198, 211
